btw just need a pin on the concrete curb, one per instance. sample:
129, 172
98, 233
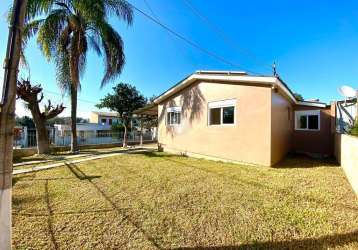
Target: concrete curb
34, 169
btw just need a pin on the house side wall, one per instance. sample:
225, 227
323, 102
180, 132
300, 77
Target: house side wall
315, 142
281, 127
247, 141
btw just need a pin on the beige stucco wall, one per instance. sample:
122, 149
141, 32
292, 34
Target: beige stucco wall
94, 118
281, 127
346, 152
246, 141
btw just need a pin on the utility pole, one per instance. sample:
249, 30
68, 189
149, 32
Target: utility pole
7, 119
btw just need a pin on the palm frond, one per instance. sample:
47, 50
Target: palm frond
36, 8
30, 29
120, 8
94, 43
91, 10
63, 72
114, 58
50, 30
82, 47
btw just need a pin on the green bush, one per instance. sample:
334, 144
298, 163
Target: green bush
354, 129
118, 127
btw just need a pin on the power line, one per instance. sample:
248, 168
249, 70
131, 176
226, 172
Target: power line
223, 35
59, 94
179, 48
188, 41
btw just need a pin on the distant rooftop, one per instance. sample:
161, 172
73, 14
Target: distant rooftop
110, 114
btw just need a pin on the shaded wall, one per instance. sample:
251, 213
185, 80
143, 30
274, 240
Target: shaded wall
315, 142
281, 127
247, 141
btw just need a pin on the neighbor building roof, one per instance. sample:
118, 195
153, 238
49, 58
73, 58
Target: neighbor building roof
110, 114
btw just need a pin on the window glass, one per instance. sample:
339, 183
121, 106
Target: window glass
178, 117
228, 115
173, 118
313, 122
168, 118
110, 121
307, 120
215, 116
303, 122
103, 120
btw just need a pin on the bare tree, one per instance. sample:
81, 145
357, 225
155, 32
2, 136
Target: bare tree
30, 94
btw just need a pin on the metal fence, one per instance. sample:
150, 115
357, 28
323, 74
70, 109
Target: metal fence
103, 137
26, 138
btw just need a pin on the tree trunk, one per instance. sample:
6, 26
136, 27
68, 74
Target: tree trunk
43, 144
141, 132
7, 120
74, 145
125, 134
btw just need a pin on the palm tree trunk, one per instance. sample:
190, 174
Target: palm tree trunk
74, 145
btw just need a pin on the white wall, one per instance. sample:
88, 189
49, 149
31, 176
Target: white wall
346, 152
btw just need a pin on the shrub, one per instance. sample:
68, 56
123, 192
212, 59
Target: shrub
118, 127
354, 129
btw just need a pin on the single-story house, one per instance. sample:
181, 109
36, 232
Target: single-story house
233, 116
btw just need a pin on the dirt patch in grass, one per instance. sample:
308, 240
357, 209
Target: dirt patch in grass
156, 200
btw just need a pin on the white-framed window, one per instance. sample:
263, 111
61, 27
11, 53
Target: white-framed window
173, 116
222, 112
308, 120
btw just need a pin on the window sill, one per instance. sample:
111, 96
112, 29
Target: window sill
308, 130
222, 125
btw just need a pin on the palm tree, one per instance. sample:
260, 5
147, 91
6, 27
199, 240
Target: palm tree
68, 29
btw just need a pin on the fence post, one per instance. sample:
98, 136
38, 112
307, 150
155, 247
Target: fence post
26, 138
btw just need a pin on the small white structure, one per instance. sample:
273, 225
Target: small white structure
87, 133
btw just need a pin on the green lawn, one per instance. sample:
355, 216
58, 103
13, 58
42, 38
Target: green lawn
160, 201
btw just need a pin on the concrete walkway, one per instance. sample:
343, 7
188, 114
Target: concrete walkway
92, 157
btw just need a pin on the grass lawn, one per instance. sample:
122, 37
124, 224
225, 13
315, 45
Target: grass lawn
161, 201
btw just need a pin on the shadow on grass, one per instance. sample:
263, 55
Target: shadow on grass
28, 177
303, 161
324, 242
154, 154
122, 212
50, 217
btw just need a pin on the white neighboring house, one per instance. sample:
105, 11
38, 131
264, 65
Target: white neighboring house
98, 130
87, 133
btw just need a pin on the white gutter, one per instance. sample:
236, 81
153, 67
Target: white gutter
312, 104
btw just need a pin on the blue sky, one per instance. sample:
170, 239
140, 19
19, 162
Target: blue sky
314, 44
